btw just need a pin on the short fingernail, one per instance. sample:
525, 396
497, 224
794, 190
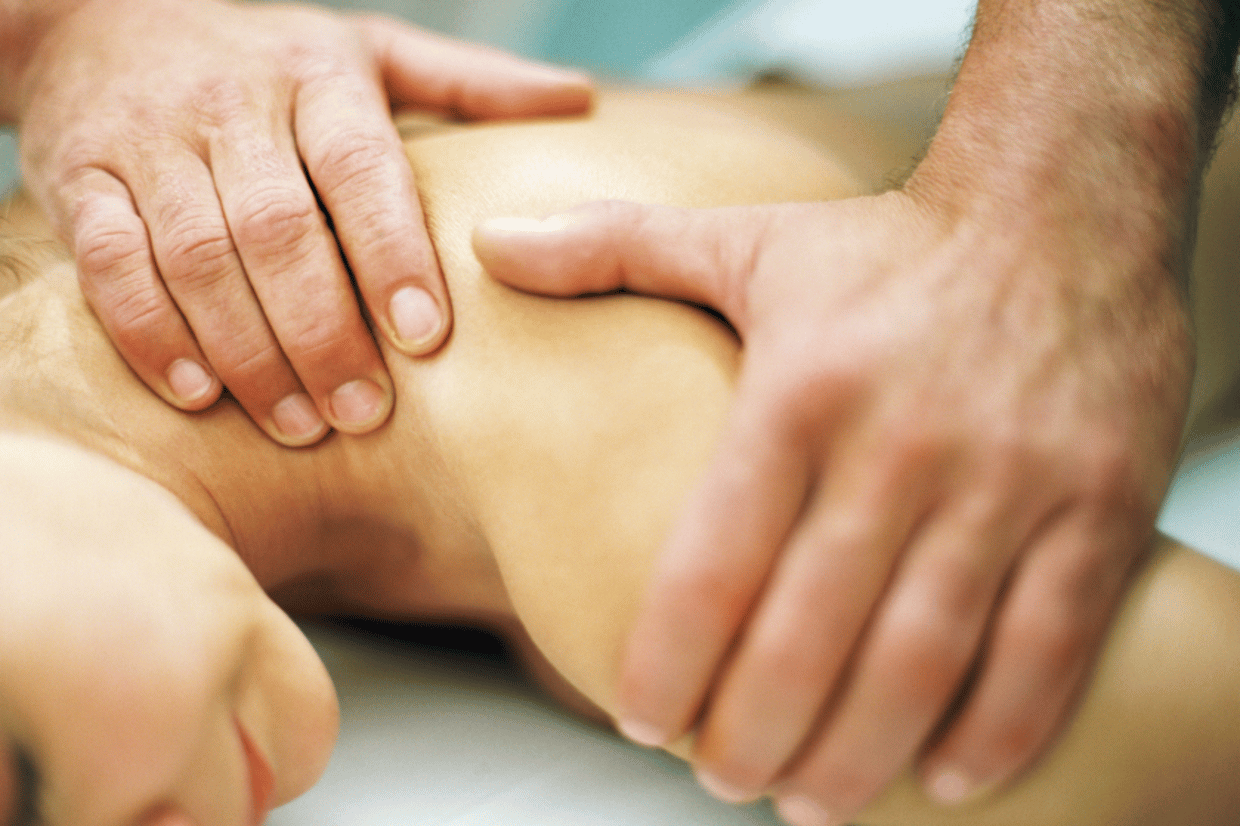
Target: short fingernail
359, 403
951, 787
189, 380
722, 789
552, 223
415, 316
296, 417
643, 733
802, 811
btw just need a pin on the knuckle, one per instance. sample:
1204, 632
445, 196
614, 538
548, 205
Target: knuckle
276, 218
351, 158
788, 666
109, 251
957, 589
719, 599
1009, 456
1057, 642
219, 98
917, 445
320, 341
246, 363
196, 254
130, 312
806, 394
932, 644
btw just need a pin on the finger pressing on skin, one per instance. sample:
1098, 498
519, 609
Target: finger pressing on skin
428, 71
358, 165
703, 256
705, 583
202, 272
832, 572
295, 269
1044, 639
915, 657
121, 283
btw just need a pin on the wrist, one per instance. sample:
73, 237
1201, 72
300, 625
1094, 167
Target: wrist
1085, 118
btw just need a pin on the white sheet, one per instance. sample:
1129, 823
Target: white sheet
435, 738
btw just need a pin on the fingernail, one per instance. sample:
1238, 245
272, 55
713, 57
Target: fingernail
358, 403
643, 733
722, 789
189, 381
951, 787
801, 811
415, 315
553, 223
296, 417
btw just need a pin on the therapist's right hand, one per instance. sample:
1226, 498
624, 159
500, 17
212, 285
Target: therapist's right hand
222, 170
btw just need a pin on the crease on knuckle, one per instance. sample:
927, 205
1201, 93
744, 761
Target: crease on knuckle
197, 253
275, 220
351, 161
134, 313
219, 99
244, 364
110, 252
931, 647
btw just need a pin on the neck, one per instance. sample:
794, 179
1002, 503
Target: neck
373, 524
368, 524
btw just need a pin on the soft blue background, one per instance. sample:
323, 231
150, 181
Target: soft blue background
8, 159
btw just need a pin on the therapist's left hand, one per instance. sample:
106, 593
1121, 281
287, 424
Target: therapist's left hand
947, 449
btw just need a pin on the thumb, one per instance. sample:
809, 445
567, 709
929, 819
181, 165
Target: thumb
426, 70
702, 256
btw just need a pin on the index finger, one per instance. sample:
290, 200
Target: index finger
712, 570
469, 79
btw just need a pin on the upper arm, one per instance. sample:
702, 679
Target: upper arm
579, 426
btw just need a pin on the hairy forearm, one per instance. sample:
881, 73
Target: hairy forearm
23, 25
1112, 104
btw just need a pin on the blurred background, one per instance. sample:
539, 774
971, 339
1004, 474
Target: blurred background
839, 43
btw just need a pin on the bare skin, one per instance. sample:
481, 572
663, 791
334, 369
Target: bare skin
180, 148
527, 484
960, 406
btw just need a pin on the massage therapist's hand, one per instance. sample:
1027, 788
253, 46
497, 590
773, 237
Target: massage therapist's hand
198, 155
948, 446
